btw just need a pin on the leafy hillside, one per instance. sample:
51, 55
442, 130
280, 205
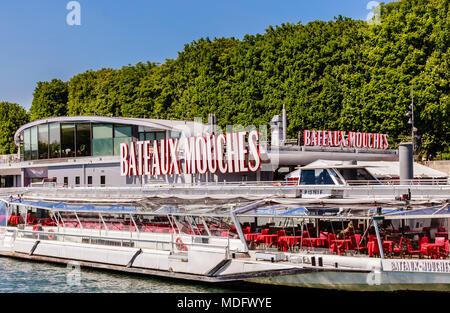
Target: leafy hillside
12, 116
342, 74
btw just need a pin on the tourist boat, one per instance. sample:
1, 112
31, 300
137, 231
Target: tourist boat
392, 245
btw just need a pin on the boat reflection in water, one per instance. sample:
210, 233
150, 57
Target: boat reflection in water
331, 243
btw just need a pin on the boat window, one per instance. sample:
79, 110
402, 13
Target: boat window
102, 180
315, 177
355, 174
121, 134
43, 141
160, 135
336, 176
102, 139
55, 140
68, 140
175, 134
153, 136
34, 143
27, 144
83, 139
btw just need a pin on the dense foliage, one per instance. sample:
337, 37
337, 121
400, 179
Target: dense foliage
49, 99
343, 74
12, 116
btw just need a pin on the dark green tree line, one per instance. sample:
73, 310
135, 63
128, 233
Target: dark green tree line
12, 116
342, 74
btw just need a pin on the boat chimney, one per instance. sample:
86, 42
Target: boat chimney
212, 123
406, 159
283, 142
275, 124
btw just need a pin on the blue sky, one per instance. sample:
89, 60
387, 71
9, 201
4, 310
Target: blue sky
37, 44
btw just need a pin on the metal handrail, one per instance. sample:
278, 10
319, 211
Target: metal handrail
192, 243
397, 181
274, 183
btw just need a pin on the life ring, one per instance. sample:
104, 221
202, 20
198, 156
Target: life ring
36, 227
180, 245
51, 237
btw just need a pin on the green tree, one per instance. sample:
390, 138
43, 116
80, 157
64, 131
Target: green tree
49, 99
341, 74
12, 117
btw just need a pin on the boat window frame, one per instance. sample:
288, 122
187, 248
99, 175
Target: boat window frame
336, 177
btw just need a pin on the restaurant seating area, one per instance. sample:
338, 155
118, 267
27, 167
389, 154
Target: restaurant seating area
337, 238
413, 244
141, 226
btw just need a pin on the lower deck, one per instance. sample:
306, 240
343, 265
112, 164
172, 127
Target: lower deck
204, 263
266, 241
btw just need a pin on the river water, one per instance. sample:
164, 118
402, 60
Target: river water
20, 276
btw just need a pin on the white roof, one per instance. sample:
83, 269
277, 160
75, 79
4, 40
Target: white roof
177, 125
388, 169
380, 169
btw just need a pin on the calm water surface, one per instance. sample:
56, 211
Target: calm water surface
24, 276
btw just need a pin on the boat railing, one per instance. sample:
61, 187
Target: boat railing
407, 182
44, 184
125, 193
283, 183
171, 244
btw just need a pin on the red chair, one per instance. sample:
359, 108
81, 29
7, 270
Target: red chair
356, 239
324, 237
330, 238
247, 230
410, 249
115, 227
437, 250
32, 221
446, 245
373, 243
148, 229
423, 245
333, 245
439, 241
283, 245
399, 249
265, 231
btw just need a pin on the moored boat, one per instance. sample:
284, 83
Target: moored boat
394, 245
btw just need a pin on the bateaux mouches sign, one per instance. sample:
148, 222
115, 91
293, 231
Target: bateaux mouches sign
328, 138
225, 153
